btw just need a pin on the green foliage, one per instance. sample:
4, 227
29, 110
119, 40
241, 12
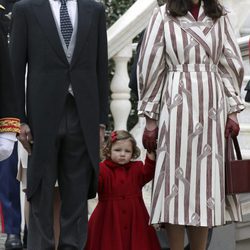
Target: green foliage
161, 2
115, 9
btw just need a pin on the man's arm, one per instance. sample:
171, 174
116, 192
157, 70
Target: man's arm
102, 68
9, 123
19, 52
102, 74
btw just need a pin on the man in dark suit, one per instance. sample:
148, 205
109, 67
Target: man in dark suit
9, 126
63, 115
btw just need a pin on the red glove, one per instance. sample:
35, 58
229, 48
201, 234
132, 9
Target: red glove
149, 139
232, 128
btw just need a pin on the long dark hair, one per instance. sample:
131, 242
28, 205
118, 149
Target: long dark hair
212, 8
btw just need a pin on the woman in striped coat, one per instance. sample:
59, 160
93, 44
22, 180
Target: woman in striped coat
189, 74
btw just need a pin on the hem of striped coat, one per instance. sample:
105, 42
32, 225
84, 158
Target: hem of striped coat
158, 225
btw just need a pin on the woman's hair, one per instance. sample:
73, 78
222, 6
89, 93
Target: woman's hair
212, 8
120, 135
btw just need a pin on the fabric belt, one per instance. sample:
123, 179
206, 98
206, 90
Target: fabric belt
193, 68
119, 197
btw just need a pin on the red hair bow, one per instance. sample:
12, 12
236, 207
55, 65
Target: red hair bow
113, 136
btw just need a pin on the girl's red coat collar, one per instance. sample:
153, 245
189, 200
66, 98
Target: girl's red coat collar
112, 164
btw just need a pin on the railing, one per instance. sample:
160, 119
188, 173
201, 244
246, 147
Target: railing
120, 36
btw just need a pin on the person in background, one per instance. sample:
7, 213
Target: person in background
62, 46
9, 127
120, 219
190, 73
10, 207
247, 89
9, 121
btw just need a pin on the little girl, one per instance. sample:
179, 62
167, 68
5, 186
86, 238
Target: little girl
120, 219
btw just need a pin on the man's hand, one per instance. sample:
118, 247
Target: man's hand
232, 126
25, 137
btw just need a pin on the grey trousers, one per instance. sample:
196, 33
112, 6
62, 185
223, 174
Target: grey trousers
71, 166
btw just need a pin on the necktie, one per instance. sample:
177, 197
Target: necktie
66, 25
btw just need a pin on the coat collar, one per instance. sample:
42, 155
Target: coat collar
46, 20
114, 165
197, 29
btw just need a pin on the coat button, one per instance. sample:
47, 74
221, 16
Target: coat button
214, 68
205, 59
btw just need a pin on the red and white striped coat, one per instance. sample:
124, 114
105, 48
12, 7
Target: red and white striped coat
189, 75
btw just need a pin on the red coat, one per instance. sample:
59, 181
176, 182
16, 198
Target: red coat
120, 220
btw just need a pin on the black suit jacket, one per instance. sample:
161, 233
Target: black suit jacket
35, 43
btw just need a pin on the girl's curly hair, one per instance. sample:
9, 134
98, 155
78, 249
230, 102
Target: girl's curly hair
119, 135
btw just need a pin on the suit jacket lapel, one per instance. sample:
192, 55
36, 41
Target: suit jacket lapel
45, 18
84, 24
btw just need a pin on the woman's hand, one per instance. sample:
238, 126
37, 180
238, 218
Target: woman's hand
232, 125
149, 138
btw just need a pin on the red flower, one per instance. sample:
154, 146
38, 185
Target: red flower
113, 136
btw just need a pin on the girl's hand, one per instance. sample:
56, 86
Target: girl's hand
151, 155
232, 125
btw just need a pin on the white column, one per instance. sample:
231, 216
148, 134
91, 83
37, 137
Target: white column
120, 104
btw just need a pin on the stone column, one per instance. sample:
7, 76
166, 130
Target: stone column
120, 98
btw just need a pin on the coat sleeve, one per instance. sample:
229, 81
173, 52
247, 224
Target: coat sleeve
151, 68
231, 69
9, 121
102, 68
18, 54
101, 177
147, 171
